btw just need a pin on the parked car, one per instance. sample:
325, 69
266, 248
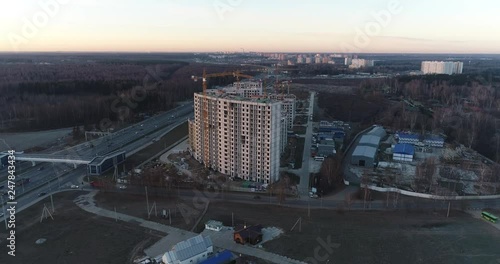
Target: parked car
74, 186
122, 187
42, 194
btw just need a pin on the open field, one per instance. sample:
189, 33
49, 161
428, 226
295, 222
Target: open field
371, 237
74, 236
135, 205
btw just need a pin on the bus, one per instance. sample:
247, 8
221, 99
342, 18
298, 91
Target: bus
489, 217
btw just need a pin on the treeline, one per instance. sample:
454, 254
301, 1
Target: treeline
464, 107
87, 99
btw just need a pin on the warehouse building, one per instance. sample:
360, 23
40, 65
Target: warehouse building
364, 156
369, 140
377, 131
403, 152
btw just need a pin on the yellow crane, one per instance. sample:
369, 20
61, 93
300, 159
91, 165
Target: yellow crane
205, 106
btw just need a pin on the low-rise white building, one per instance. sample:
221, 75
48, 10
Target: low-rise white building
191, 251
214, 225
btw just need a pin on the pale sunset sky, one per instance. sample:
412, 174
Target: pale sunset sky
423, 26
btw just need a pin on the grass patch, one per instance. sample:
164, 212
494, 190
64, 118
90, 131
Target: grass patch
294, 178
299, 152
170, 138
301, 130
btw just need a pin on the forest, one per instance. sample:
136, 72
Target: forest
465, 108
39, 96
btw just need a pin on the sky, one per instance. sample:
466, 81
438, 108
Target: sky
354, 26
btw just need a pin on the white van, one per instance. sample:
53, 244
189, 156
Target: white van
319, 158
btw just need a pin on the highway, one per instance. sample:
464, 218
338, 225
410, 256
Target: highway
130, 139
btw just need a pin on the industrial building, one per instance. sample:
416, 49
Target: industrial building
364, 156
403, 152
241, 134
370, 140
415, 139
365, 153
191, 251
442, 67
326, 150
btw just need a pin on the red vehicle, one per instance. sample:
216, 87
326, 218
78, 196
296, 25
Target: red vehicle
97, 184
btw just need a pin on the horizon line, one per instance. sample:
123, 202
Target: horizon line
248, 52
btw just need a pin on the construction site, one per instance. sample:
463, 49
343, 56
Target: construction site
241, 130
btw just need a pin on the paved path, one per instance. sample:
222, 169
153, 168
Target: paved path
304, 171
175, 235
183, 146
477, 214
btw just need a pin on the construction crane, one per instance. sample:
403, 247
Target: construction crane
276, 71
204, 106
287, 83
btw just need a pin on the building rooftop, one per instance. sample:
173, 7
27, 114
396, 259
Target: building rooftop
223, 257
189, 248
257, 99
248, 231
365, 151
377, 131
406, 149
371, 140
214, 223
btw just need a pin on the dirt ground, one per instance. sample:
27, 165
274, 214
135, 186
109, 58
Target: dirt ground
370, 237
135, 205
74, 236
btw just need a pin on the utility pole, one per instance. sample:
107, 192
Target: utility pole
147, 201
448, 213
52, 202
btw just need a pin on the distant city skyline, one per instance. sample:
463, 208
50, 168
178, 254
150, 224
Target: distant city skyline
378, 26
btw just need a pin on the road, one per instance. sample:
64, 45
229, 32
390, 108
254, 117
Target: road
304, 171
130, 140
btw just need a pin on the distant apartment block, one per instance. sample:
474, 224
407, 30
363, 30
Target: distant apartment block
240, 132
360, 63
300, 59
442, 67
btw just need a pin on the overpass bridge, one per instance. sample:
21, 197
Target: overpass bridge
95, 165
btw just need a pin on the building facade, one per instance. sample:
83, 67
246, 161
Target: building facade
239, 137
442, 67
360, 63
